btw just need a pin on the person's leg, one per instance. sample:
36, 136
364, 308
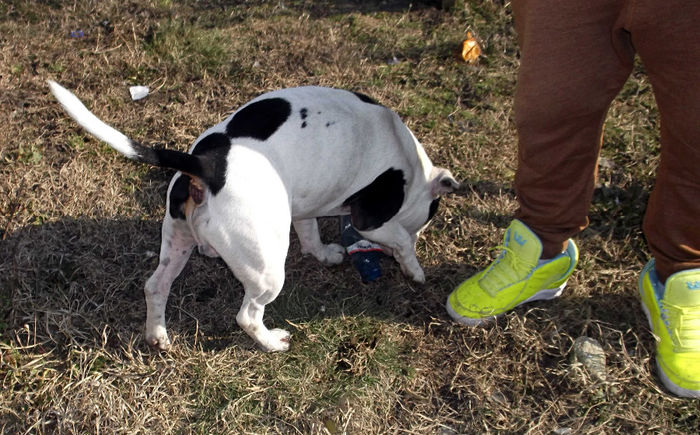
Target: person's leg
665, 35
575, 59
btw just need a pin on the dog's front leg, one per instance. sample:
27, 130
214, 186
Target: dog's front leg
176, 246
310, 240
403, 246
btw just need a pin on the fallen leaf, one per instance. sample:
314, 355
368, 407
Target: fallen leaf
470, 49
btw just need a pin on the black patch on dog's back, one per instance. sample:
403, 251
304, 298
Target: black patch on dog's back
260, 119
304, 113
366, 99
213, 150
178, 195
377, 202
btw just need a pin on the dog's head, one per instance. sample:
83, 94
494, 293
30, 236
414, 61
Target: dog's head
441, 182
425, 204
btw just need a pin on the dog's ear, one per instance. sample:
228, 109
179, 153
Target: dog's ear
441, 182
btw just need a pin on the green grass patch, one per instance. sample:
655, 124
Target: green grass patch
188, 48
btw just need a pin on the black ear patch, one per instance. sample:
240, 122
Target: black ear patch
178, 196
377, 202
213, 150
433, 209
366, 99
260, 119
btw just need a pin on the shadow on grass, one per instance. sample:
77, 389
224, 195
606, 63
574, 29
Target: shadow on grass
72, 280
90, 274
80, 282
615, 212
326, 8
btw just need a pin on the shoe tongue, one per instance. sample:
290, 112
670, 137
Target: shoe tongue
524, 249
524, 243
683, 288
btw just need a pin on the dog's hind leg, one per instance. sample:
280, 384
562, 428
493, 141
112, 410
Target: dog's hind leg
256, 252
261, 288
262, 280
250, 319
176, 246
310, 240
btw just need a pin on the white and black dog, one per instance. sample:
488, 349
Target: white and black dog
286, 157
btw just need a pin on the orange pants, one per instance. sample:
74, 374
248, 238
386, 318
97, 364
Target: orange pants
575, 57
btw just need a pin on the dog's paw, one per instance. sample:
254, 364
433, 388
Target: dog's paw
333, 253
158, 339
415, 274
278, 341
419, 276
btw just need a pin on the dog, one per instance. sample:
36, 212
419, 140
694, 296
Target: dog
286, 157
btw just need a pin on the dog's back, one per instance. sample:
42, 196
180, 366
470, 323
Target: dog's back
325, 144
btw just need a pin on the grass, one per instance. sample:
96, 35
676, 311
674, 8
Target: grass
80, 227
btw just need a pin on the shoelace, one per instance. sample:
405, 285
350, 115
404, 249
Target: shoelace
507, 269
684, 326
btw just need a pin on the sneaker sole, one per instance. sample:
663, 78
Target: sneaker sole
668, 383
541, 295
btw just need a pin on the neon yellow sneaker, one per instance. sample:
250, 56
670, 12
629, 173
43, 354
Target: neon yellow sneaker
517, 276
673, 311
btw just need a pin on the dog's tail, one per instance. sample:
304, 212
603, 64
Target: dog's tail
187, 163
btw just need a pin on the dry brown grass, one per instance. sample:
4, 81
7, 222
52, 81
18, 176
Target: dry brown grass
80, 225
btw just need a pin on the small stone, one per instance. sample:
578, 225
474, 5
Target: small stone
591, 355
606, 163
499, 398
